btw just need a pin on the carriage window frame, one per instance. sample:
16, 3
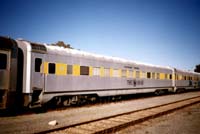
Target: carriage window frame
170, 76
144, 74
106, 72
69, 69
148, 75
51, 68
157, 76
38, 63
96, 71
4, 61
137, 74
84, 70
116, 73
166, 76
124, 72
153, 75
130, 74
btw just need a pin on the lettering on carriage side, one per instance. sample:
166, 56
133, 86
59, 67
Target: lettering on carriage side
135, 83
136, 68
128, 67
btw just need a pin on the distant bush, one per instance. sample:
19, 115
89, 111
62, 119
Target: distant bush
62, 44
197, 69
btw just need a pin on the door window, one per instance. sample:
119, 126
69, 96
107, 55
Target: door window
3, 61
38, 63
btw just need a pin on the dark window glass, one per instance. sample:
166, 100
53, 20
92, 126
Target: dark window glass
69, 69
148, 75
52, 68
84, 70
38, 63
170, 76
185, 78
158, 76
3, 61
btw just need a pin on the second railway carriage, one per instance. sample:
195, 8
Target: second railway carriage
185, 80
33, 74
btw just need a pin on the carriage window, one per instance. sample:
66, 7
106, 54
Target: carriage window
176, 76
3, 61
106, 72
137, 74
116, 73
52, 68
38, 63
158, 76
166, 76
170, 76
153, 75
148, 75
143, 75
179, 77
84, 70
96, 71
130, 73
69, 69
123, 73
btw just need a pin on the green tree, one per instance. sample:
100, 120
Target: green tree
197, 69
62, 44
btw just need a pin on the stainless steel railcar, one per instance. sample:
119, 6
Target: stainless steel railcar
185, 80
32, 74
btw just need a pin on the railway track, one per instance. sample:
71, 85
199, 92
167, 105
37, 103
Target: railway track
100, 101
117, 122
72, 120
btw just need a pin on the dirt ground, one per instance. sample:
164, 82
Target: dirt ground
35, 123
184, 121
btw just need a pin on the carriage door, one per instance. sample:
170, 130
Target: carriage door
4, 76
37, 77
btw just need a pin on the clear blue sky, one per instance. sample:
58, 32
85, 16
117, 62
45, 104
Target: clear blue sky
161, 32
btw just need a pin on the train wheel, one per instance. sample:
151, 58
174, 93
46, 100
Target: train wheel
67, 102
159, 92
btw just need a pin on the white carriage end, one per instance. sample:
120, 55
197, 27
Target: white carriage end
26, 48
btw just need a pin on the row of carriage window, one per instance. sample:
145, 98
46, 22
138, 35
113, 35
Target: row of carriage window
96, 71
84, 70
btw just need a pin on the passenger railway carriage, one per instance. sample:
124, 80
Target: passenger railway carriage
32, 74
